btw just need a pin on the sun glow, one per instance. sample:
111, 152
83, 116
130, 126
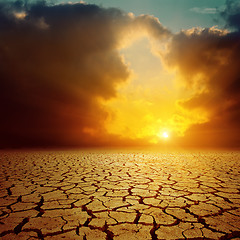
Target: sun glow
150, 100
165, 135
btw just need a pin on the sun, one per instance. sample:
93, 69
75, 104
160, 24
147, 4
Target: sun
165, 135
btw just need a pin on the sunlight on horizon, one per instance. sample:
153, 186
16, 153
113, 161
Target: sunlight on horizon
149, 101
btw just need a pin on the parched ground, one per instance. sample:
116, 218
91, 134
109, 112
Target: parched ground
119, 195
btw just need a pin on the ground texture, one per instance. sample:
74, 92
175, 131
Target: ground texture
119, 195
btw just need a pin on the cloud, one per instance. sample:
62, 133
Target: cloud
208, 62
232, 14
204, 10
56, 63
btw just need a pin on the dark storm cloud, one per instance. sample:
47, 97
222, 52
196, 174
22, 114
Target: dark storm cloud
209, 60
56, 62
232, 14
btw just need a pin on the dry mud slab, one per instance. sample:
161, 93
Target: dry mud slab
119, 195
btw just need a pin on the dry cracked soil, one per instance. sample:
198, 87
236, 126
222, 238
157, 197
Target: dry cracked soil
89, 194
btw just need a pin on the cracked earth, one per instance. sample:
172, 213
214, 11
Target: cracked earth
119, 195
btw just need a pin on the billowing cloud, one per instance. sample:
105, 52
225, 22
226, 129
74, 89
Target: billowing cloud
56, 62
231, 14
208, 62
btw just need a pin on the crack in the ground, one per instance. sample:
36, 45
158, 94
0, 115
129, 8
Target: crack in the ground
38, 207
9, 190
138, 215
110, 234
18, 228
234, 234
154, 229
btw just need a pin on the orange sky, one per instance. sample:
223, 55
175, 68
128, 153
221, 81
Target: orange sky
76, 75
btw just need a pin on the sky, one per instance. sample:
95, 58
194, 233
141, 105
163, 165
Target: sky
174, 14
120, 73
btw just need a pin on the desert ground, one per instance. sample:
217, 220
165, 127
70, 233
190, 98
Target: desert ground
107, 194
